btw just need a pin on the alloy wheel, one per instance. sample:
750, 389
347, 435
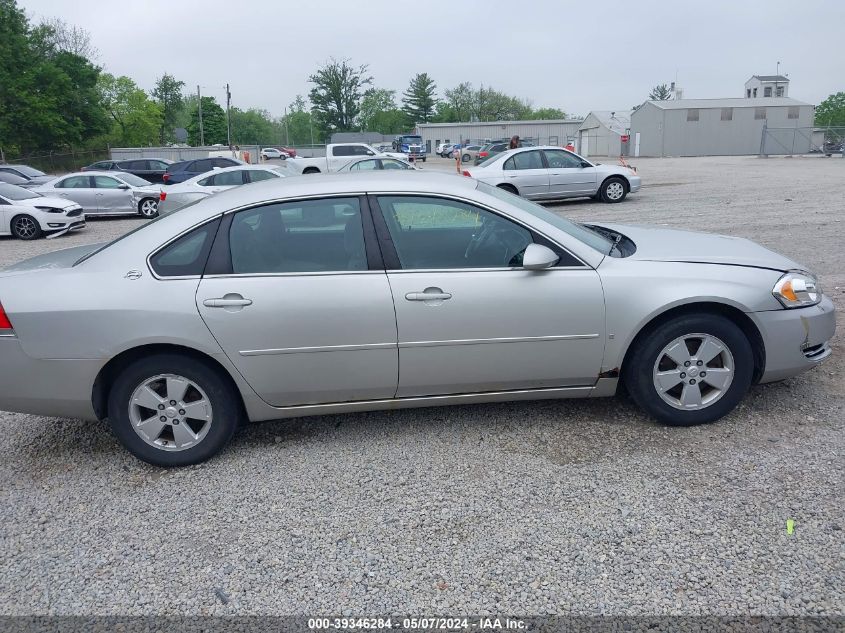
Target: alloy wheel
149, 208
693, 371
170, 412
25, 227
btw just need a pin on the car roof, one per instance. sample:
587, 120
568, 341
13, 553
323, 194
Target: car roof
223, 170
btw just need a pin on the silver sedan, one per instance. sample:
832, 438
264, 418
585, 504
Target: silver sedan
105, 193
303, 296
551, 173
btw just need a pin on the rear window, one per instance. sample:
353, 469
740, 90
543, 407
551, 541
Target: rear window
135, 181
187, 255
29, 172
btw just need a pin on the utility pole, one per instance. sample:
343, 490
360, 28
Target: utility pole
199, 111
228, 123
287, 135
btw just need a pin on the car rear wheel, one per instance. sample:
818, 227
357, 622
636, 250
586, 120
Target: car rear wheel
172, 410
148, 207
613, 190
509, 189
466, 158
311, 170
691, 370
25, 227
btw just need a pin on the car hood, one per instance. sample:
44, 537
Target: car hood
672, 245
49, 201
64, 258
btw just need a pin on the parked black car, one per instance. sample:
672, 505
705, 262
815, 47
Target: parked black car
496, 147
151, 169
180, 172
33, 176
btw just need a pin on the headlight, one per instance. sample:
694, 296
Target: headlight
50, 209
797, 290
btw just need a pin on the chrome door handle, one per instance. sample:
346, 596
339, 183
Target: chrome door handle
428, 296
222, 302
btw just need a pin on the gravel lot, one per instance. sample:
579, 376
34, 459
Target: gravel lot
577, 507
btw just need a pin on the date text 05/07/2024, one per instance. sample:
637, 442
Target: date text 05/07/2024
417, 623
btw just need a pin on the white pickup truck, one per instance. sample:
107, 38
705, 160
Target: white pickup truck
337, 155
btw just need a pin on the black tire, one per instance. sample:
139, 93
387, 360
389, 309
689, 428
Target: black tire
638, 377
612, 185
509, 188
225, 405
311, 170
423, 159
466, 158
26, 227
144, 208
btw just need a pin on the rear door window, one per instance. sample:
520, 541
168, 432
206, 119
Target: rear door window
75, 182
187, 255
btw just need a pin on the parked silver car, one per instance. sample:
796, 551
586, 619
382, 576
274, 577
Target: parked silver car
175, 196
106, 193
303, 296
550, 173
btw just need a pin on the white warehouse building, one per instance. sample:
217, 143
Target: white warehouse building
542, 132
602, 133
720, 127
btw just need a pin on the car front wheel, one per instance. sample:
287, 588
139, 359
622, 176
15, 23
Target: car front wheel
148, 207
25, 227
172, 410
691, 370
613, 190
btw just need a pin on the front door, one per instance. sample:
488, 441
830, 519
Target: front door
469, 318
567, 175
528, 174
113, 196
299, 312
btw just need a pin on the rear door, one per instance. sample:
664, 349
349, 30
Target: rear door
80, 189
301, 304
527, 172
567, 175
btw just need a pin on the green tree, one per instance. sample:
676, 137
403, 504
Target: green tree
254, 127
61, 36
213, 123
47, 95
298, 125
460, 104
171, 101
136, 118
374, 102
419, 100
336, 95
831, 111
660, 92
548, 114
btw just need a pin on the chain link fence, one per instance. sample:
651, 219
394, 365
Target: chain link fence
800, 141
58, 162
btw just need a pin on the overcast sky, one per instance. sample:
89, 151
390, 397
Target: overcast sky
578, 56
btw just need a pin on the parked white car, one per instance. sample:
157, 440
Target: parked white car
272, 152
549, 173
376, 163
443, 147
338, 155
106, 193
176, 196
27, 215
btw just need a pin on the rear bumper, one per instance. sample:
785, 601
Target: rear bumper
60, 388
795, 340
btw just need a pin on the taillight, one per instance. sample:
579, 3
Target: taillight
5, 324
165, 177
482, 154
162, 196
467, 174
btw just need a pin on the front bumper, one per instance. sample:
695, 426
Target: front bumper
795, 340
635, 182
60, 388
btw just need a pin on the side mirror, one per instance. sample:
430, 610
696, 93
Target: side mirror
585, 164
369, 153
538, 257
124, 187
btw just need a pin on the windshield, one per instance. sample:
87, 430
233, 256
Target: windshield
13, 192
27, 171
593, 240
490, 160
134, 180
411, 139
